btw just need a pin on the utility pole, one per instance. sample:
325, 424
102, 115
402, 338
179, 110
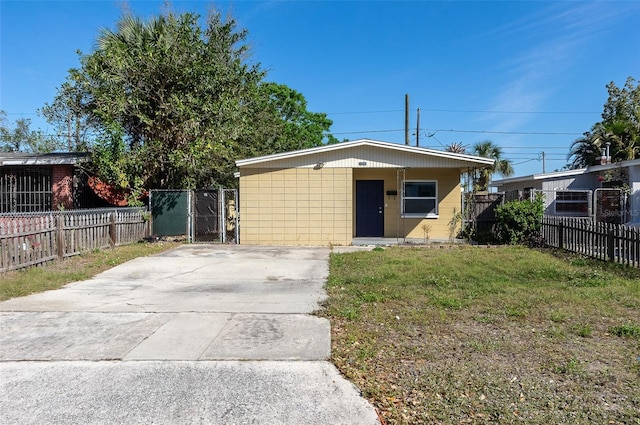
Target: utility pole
418, 130
406, 119
543, 164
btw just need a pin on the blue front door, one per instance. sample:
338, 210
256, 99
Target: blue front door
369, 208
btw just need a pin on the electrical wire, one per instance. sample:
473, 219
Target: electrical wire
534, 133
510, 112
526, 133
368, 131
470, 111
364, 112
524, 162
461, 111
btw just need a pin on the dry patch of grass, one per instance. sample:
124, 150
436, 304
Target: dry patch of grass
57, 274
472, 335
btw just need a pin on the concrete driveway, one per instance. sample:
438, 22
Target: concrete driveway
202, 334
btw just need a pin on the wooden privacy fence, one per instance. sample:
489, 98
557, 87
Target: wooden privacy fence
481, 209
35, 238
604, 241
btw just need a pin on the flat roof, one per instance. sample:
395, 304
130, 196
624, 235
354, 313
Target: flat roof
541, 176
566, 173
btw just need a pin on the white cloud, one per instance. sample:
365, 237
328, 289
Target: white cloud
552, 39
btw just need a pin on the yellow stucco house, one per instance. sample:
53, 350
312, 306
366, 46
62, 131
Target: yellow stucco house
358, 189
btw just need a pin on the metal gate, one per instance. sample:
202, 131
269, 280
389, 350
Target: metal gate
610, 205
215, 217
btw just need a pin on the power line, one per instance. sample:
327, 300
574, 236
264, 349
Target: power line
534, 133
537, 158
533, 147
468, 111
524, 162
511, 112
369, 131
462, 111
433, 132
537, 152
364, 112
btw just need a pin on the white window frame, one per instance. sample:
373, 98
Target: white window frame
420, 215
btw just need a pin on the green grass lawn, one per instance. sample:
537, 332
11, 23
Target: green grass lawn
56, 274
478, 335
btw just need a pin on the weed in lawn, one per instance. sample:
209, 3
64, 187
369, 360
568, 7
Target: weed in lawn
626, 330
555, 332
580, 262
350, 313
337, 260
486, 318
570, 367
588, 278
629, 302
365, 352
515, 311
371, 297
426, 230
558, 316
583, 330
448, 303
437, 281
483, 345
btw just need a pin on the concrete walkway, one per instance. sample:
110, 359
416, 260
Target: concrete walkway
202, 334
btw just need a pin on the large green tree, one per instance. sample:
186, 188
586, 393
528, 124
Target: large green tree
619, 128
19, 137
75, 127
175, 103
501, 166
177, 92
283, 123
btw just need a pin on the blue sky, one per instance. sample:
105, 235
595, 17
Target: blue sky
503, 71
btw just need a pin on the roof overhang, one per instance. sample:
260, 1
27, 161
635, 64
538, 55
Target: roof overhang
613, 165
462, 160
66, 158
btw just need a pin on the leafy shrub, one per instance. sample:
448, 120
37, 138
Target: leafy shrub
519, 221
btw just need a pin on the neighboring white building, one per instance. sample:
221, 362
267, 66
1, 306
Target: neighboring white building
570, 192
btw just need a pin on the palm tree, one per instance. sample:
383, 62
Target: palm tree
586, 150
623, 140
501, 166
456, 147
